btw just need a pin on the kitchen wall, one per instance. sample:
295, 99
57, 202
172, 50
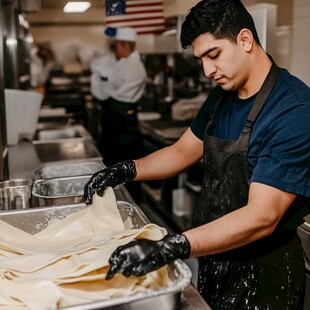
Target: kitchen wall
300, 62
81, 39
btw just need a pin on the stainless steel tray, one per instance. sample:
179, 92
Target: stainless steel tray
60, 191
74, 133
35, 220
68, 169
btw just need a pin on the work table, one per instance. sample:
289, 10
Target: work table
26, 157
163, 131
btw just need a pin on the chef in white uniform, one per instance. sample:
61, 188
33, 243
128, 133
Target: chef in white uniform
118, 81
120, 75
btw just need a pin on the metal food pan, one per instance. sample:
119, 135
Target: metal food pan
60, 191
15, 194
68, 169
62, 133
35, 220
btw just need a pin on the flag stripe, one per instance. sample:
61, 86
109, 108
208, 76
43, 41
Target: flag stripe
143, 2
138, 23
146, 16
137, 19
143, 11
138, 26
144, 5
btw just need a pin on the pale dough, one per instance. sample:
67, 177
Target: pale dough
66, 263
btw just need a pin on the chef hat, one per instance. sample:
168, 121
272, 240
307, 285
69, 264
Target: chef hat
122, 34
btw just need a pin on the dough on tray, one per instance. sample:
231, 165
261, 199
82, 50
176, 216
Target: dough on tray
66, 263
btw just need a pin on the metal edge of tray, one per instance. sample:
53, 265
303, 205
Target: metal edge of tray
73, 178
120, 191
44, 172
141, 300
168, 296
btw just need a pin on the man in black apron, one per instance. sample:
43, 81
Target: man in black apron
253, 135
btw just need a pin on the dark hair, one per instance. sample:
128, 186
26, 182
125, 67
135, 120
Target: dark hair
222, 18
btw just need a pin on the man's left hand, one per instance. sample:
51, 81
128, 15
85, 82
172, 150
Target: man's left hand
142, 256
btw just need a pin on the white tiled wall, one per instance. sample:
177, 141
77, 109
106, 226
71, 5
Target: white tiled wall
300, 63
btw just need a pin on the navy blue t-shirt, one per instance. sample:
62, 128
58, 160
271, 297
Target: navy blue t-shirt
279, 146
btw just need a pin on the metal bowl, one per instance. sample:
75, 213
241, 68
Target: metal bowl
15, 194
68, 170
60, 191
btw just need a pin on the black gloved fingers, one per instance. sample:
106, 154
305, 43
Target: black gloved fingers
114, 267
119, 173
141, 269
126, 270
89, 191
111, 273
100, 190
174, 247
117, 262
142, 256
92, 186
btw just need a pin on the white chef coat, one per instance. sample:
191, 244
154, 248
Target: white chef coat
123, 80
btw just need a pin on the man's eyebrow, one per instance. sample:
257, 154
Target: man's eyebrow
206, 52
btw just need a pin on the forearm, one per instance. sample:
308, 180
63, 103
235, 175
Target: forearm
170, 160
226, 233
158, 165
256, 220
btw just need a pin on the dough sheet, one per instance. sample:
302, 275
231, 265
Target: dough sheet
66, 263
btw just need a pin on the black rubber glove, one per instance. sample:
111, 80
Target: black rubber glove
119, 173
142, 256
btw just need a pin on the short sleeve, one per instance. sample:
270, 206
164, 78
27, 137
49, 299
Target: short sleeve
284, 157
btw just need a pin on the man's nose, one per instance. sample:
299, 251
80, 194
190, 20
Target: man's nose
209, 68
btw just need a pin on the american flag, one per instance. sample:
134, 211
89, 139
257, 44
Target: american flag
146, 16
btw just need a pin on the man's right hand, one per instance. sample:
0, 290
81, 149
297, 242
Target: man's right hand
119, 173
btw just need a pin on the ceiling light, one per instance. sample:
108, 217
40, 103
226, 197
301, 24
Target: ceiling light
76, 7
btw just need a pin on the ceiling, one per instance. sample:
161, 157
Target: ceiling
51, 13
59, 4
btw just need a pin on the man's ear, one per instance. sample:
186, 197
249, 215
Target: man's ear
245, 38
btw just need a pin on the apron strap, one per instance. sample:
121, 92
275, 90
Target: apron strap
258, 104
262, 96
223, 96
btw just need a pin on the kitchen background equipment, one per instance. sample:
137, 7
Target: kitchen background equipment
22, 113
35, 220
15, 194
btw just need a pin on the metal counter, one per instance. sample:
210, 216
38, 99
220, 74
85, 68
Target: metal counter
26, 157
163, 131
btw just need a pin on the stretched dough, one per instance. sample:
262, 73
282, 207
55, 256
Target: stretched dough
66, 263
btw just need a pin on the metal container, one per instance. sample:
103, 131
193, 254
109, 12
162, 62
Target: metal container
15, 194
74, 132
68, 170
60, 191
35, 220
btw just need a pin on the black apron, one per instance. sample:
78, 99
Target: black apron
266, 274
